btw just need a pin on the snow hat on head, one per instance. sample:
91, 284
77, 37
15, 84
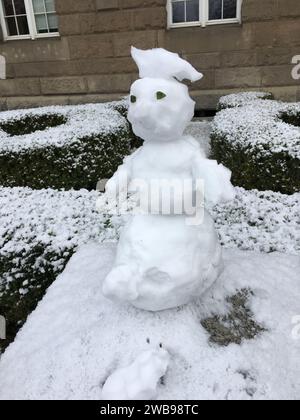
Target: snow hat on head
159, 63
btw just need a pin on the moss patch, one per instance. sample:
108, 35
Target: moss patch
32, 123
237, 325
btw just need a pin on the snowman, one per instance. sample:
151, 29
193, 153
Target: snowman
168, 253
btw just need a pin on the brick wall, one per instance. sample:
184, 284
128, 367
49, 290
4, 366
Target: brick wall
91, 60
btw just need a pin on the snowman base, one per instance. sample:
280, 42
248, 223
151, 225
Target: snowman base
164, 262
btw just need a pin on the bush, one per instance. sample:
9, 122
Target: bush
79, 145
39, 232
259, 144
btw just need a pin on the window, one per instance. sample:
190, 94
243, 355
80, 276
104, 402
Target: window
203, 12
28, 19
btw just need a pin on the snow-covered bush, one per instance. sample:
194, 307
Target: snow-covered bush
240, 99
40, 230
62, 146
260, 143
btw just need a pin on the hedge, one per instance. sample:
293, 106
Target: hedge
240, 99
62, 147
260, 143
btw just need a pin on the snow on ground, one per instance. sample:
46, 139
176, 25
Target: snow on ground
76, 338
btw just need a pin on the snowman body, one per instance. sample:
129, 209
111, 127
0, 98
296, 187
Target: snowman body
163, 262
166, 256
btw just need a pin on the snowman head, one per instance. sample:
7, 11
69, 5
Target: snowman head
160, 106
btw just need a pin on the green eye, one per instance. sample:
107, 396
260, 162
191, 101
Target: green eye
133, 99
160, 95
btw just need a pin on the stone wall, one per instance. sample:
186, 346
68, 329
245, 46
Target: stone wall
91, 59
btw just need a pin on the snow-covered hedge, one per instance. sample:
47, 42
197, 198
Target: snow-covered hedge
260, 143
240, 99
62, 146
40, 230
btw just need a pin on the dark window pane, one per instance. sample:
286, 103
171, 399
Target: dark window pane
8, 7
23, 25
20, 7
215, 9
11, 26
192, 10
230, 9
178, 12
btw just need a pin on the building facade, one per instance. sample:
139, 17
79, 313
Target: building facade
77, 51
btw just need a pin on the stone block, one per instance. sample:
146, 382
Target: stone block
89, 46
114, 21
63, 85
107, 4
113, 83
238, 58
20, 87
28, 51
75, 6
238, 77
277, 76
150, 18
203, 61
142, 39
289, 8
212, 39
98, 66
255, 10
127, 4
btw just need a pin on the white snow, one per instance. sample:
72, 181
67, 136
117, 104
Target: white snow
162, 64
242, 98
82, 121
139, 380
76, 338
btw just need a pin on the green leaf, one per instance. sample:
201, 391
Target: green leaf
160, 95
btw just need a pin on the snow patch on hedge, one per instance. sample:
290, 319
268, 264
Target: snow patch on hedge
241, 99
259, 126
82, 121
260, 221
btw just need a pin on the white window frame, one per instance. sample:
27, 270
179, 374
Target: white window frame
204, 16
33, 33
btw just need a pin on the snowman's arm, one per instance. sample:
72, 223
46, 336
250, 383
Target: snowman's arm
121, 179
216, 180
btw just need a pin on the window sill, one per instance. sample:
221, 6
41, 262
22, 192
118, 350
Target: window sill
201, 25
30, 38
